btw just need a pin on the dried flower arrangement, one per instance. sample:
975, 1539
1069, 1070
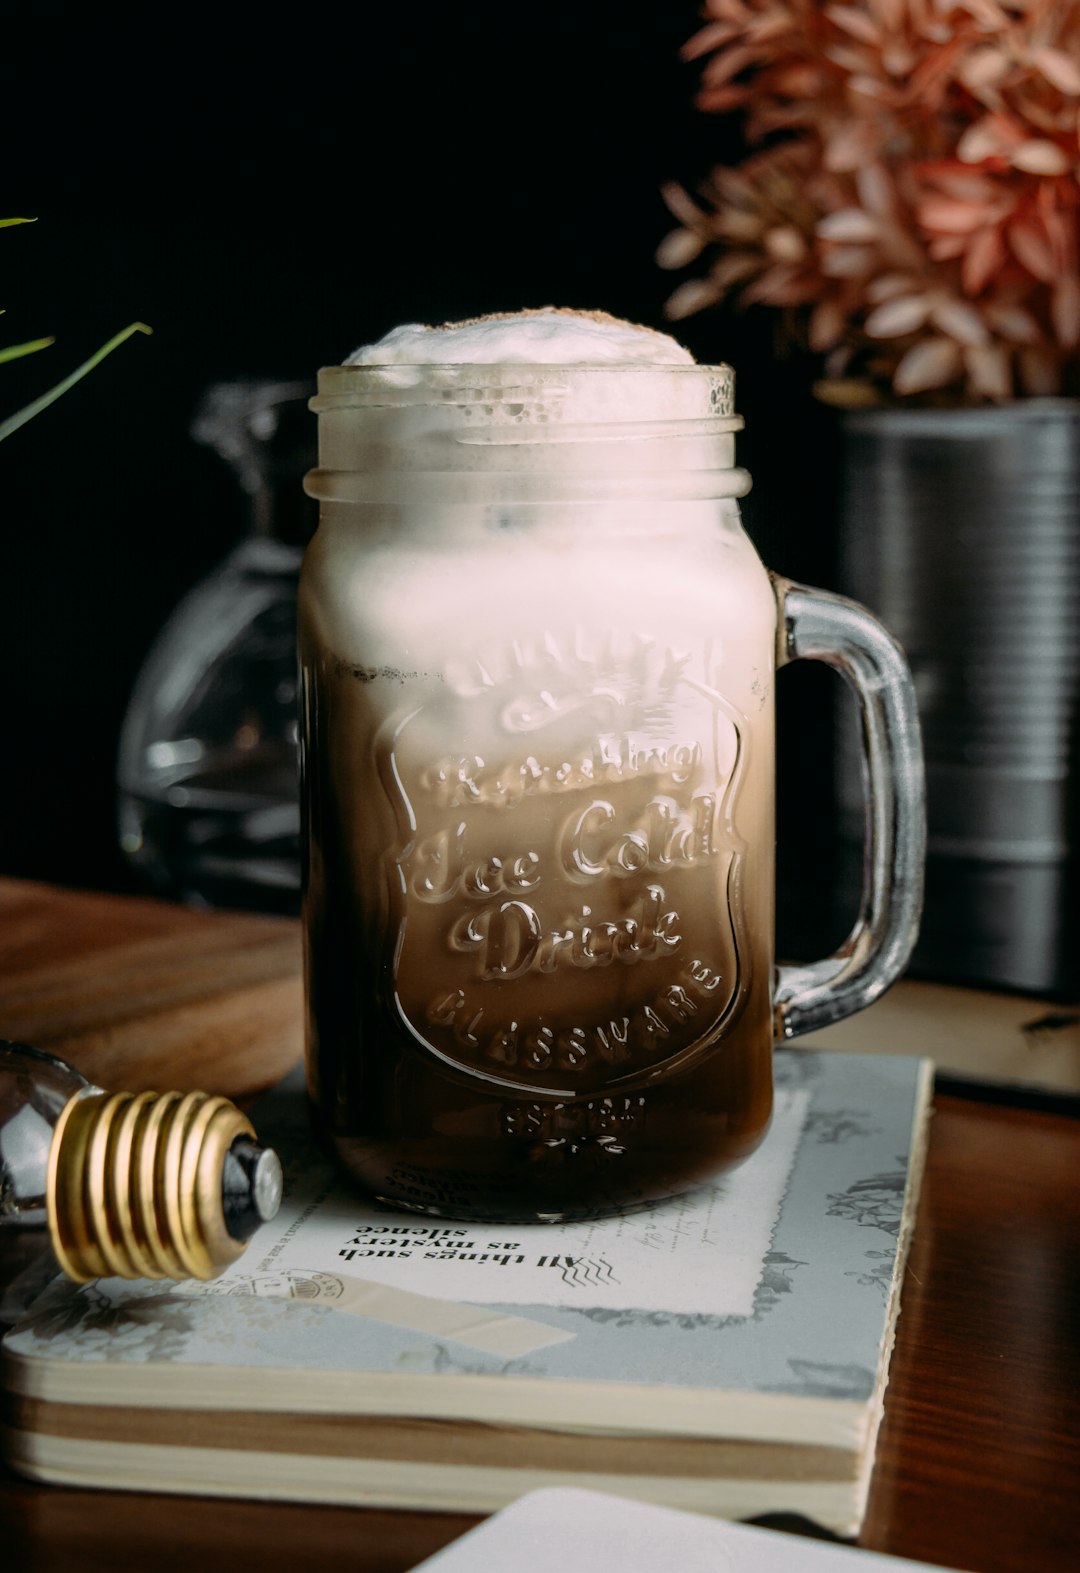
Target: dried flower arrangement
911, 201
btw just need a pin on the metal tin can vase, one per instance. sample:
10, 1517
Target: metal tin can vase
960, 529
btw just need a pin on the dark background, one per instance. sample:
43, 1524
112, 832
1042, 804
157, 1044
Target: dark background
269, 189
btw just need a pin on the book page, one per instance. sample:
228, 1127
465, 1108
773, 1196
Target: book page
701, 1253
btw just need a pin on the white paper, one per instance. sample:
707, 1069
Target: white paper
703, 1252
554, 1530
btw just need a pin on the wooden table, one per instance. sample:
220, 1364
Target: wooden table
979, 1457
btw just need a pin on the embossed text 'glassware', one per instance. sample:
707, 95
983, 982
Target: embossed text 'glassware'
538, 655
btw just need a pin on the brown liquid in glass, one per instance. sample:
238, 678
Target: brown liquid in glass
538, 917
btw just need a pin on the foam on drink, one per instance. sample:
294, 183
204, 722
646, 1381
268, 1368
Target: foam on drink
549, 335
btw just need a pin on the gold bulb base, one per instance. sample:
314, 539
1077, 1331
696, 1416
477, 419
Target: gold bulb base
134, 1185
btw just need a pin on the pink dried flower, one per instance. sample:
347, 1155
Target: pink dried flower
911, 200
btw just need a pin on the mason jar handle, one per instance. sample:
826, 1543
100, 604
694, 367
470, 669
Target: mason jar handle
819, 626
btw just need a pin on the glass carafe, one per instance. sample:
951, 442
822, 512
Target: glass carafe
207, 773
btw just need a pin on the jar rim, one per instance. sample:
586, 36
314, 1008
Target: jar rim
606, 391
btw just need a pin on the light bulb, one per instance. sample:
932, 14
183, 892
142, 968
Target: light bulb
124, 1185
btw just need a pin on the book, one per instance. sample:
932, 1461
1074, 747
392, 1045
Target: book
725, 1353
548, 1531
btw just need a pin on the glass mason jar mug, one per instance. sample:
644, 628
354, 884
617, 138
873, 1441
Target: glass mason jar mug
537, 661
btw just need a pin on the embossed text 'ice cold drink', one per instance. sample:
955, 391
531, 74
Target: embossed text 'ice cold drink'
538, 655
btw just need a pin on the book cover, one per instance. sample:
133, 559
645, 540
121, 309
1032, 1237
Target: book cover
726, 1352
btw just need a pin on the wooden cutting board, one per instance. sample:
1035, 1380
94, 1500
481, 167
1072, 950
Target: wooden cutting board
140, 993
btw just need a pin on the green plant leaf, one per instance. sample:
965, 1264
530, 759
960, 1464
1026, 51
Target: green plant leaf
5, 222
28, 411
14, 351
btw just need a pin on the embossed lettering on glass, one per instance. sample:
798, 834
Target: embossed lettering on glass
538, 655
